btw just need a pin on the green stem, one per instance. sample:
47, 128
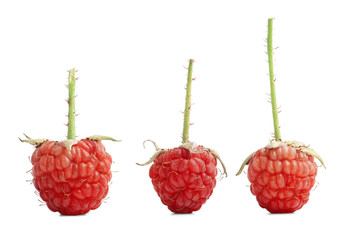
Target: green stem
185, 137
71, 115
272, 82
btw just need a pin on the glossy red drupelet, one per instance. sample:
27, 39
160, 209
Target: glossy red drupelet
184, 180
281, 178
72, 182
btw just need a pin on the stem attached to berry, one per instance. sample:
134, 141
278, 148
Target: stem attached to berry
71, 116
185, 137
272, 81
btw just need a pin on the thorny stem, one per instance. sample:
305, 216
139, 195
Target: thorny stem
272, 82
71, 115
185, 137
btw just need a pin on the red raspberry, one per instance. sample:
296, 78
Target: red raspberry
281, 178
283, 173
71, 176
184, 177
71, 182
184, 180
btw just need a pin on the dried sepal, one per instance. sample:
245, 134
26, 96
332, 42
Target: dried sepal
34, 142
155, 155
188, 146
153, 142
191, 145
274, 144
152, 159
217, 157
246, 162
100, 138
306, 149
298, 146
312, 152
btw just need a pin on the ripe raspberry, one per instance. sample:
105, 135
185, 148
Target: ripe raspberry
184, 177
184, 180
71, 176
72, 182
283, 173
281, 178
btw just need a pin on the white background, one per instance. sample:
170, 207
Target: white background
130, 56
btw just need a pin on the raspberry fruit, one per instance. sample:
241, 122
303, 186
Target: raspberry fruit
281, 177
184, 177
282, 173
72, 182
184, 180
71, 176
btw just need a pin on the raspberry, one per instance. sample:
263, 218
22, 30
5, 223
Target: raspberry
281, 178
283, 173
71, 176
71, 182
184, 177
184, 180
